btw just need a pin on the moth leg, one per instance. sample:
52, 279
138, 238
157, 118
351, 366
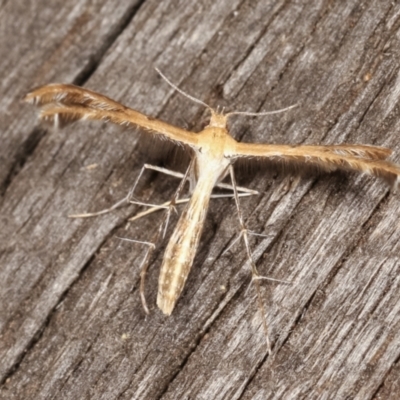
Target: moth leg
185, 200
240, 189
155, 207
129, 199
179, 175
143, 267
120, 203
244, 233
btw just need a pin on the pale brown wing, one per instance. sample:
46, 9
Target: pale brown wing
361, 158
62, 104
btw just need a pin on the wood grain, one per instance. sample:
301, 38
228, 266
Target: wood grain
71, 321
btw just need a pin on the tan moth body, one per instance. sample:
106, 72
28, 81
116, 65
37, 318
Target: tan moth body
211, 166
213, 153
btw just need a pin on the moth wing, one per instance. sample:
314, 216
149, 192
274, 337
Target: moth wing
62, 104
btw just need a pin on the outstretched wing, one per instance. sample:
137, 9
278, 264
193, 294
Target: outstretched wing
361, 158
62, 104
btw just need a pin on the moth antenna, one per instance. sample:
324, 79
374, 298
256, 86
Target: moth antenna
182, 92
259, 114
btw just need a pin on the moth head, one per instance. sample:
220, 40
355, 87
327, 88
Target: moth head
218, 120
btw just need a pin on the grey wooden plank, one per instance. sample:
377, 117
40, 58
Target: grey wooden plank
72, 323
41, 41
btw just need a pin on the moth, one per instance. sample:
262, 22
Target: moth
213, 153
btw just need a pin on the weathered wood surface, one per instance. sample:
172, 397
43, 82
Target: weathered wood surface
72, 326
